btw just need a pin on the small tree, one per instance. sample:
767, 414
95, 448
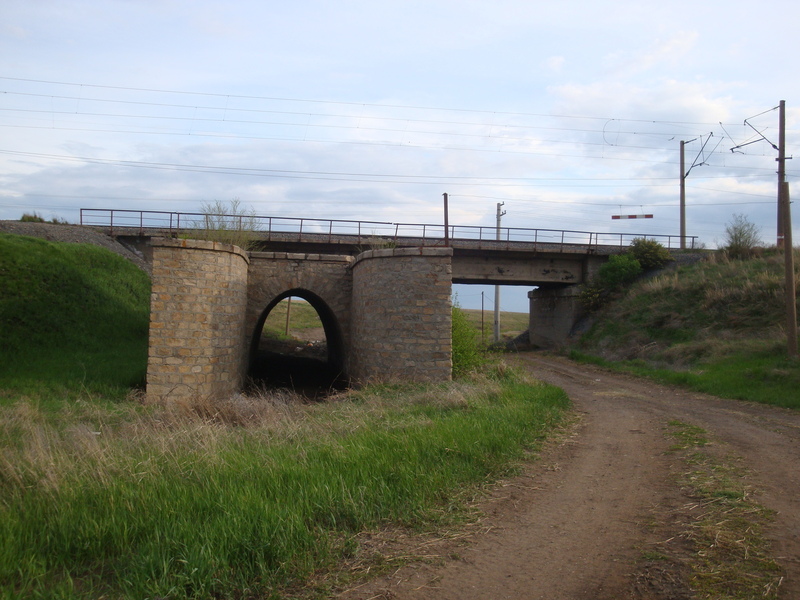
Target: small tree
742, 237
228, 223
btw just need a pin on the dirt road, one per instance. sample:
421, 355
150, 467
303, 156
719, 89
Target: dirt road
576, 525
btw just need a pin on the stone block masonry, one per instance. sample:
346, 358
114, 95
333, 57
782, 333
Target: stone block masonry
402, 315
324, 280
386, 313
197, 319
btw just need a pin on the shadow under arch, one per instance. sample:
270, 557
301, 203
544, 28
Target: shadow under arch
310, 376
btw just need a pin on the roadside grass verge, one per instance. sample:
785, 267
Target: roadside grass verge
249, 497
730, 557
511, 323
757, 372
74, 317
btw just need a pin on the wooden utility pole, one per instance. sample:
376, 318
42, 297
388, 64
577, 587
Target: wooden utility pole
781, 171
785, 236
683, 197
483, 327
288, 314
791, 295
500, 214
446, 223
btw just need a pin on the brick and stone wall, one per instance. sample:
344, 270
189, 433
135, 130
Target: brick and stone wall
401, 315
197, 317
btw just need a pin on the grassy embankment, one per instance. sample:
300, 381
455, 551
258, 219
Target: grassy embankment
716, 326
105, 495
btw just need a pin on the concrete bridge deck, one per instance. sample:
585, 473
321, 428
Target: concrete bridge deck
481, 255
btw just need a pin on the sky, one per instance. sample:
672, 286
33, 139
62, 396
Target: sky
565, 112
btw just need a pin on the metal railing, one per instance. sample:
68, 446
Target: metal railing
301, 229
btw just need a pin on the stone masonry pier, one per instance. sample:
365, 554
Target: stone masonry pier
197, 319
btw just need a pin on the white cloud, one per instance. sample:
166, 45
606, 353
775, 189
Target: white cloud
555, 63
672, 52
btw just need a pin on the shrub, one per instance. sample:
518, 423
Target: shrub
649, 253
619, 270
742, 237
34, 218
592, 296
467, 351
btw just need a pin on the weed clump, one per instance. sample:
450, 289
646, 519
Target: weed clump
466, 347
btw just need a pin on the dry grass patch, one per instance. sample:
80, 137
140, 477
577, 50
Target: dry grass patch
731, 558
249, 496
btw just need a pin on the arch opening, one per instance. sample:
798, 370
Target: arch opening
298, 344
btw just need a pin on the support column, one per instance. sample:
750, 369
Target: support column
402, 315
553, 314
197, 316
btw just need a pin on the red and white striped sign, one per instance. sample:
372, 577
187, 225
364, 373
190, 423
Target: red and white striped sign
631, 216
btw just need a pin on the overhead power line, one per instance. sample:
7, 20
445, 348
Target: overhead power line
344, 175
345, 103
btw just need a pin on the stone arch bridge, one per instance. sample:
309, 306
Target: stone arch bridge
386, 312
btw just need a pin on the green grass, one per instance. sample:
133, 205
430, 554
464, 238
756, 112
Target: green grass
302, 317
174, 505
715, 327
105, 495
73, 316
511, 323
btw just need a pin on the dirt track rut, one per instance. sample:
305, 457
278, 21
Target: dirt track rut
575, 524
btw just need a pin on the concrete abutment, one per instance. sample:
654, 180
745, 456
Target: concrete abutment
553, 313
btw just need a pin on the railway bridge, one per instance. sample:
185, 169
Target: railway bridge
382, 290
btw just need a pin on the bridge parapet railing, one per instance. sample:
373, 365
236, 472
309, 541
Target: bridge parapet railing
300, 229
508, 236
183, 224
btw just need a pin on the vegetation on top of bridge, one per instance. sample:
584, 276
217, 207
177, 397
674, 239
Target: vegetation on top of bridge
365, 232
